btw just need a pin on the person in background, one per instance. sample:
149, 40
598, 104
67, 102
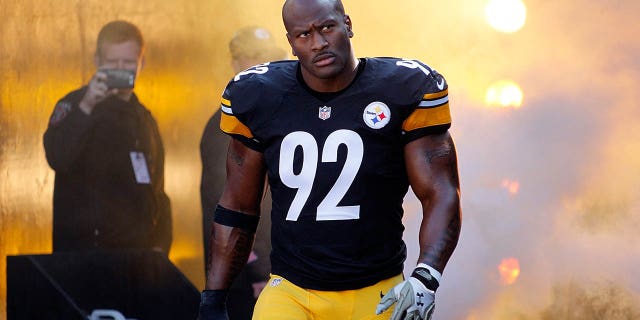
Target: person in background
108, 157
248, 47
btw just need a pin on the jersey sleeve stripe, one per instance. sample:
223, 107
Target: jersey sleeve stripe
428, 117
436, 95
231, 125
433, 103
225, 106
226, 110
431, 100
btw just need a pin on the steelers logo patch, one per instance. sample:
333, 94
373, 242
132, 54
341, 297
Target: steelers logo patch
376, 115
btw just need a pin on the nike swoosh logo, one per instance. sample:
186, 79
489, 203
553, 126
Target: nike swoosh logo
440, 84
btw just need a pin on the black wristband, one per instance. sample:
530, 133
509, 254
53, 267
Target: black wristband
426, 278
214, 297
213, 305
236, 219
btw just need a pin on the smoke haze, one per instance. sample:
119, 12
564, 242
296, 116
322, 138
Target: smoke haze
573, 146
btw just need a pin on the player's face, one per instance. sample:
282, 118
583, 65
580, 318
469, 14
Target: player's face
319, 36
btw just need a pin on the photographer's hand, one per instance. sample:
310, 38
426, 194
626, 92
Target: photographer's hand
97, 91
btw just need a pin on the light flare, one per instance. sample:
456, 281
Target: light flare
506, 16
504, 94
509, 269
512, 186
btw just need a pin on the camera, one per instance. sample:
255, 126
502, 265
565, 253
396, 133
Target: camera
120, 78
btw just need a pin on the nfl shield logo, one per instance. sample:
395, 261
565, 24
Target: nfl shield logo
324, 112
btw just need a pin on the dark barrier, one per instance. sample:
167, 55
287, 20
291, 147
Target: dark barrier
141, 285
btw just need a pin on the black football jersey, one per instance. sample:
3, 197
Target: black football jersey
335, 163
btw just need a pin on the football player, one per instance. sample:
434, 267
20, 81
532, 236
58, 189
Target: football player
341, 139
249, 46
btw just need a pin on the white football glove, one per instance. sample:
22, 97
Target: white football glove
413, 300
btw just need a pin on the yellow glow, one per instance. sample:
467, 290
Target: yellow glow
512, 186
506, 15
472, 316
504, 94
509, 269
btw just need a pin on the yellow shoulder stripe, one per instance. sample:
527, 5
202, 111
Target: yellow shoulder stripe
232, 125
427, 117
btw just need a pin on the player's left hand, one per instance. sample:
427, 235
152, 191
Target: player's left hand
413, 300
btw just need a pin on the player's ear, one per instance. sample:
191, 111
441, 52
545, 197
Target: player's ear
347, 22
290, 39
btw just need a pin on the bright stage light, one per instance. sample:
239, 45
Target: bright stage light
504, 94
506, 15
509, 270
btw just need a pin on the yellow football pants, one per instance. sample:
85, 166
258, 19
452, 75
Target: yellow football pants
282, 300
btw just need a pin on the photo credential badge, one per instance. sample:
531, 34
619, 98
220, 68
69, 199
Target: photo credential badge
140, 167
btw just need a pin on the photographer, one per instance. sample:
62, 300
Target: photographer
107, 153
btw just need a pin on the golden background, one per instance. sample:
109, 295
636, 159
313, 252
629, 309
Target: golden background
573, 146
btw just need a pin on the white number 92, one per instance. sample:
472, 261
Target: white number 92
328, 209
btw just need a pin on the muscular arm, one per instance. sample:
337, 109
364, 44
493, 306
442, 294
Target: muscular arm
433, 173
230, 247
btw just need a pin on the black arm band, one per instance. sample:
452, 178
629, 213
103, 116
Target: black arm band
213, 297
235, 219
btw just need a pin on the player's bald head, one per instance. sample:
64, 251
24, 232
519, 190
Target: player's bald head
291, 8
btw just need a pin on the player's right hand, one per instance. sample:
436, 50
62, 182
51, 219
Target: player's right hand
213, 305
